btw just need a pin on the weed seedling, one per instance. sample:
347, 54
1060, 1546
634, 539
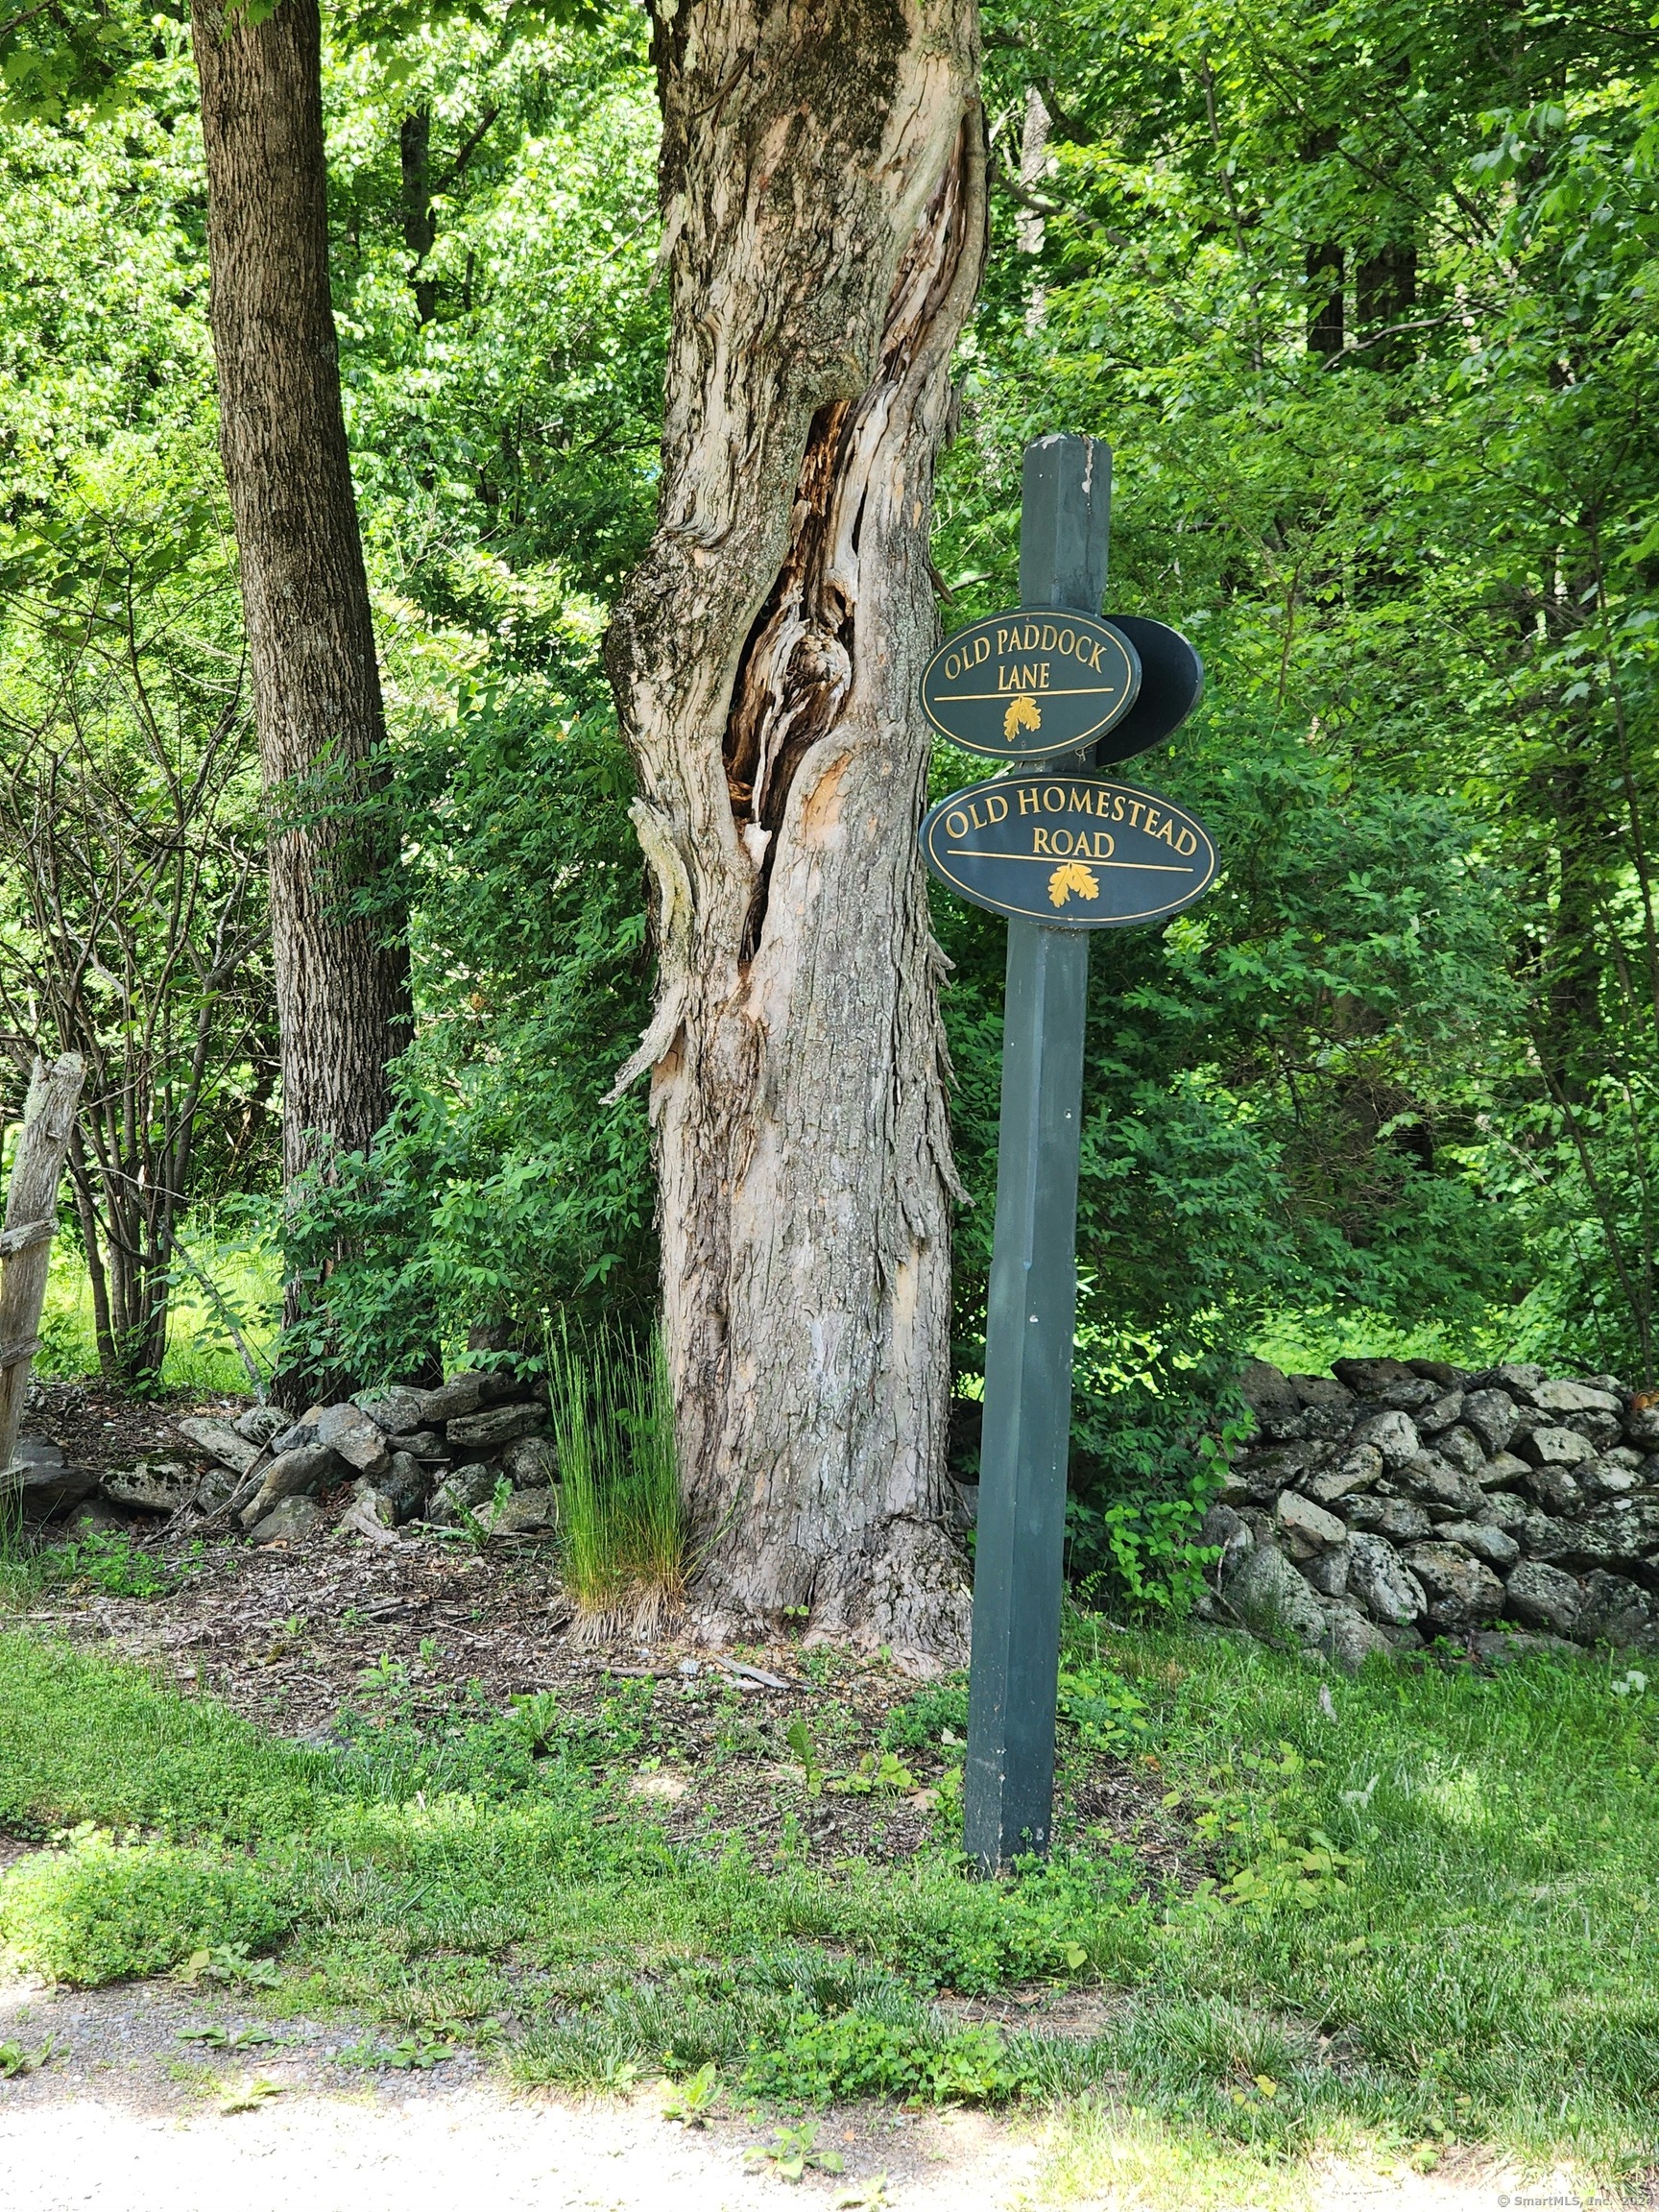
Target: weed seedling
801, 1744
406, 2057
217, 2039
793, 2150
875, 1772
248, 2094
227, 1962
693, 2101
14, 2061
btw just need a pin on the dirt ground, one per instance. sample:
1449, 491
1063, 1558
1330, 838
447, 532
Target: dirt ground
132, 2117
129, 2118
432, 1625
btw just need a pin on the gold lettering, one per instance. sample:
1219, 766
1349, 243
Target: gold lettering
956, 824
973, 814
1093, 657
1082, 799
1054, 799
1027, 799
953, 666
1186, 843
1117, 806
1043, 676
1135, 806
1152, 815
1168, 831
1105, 844
1039, 842
996, 806
1068, 643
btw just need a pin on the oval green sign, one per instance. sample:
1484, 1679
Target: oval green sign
1030, 683
1071, 852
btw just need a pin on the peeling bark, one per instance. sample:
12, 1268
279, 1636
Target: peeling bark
822, 179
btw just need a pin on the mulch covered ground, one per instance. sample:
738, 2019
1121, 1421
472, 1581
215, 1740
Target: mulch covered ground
434, 1627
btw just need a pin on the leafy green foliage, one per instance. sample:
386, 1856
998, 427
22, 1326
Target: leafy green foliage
101, 1909
1387, 1084
854, 2055
1356, 292
1106, 1712
934, 1714
504, 1187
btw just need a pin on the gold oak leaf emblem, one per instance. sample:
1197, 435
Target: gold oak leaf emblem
1022, 715
1073, 877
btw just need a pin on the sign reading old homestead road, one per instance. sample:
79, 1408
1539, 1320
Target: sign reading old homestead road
1071, 851
1059, 855
1031, 682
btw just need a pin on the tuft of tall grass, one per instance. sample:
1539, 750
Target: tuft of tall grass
622, 1519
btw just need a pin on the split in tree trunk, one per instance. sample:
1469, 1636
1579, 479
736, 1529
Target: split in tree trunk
822, 178
337, 919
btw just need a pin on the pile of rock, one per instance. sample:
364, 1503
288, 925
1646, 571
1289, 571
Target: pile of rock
1393, 1501
476, 1447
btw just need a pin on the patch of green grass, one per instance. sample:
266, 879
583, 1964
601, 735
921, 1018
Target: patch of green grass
1428, 1912
622, 1521
101, 1909
83, 1738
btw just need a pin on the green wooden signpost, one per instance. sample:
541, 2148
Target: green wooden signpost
1061, 852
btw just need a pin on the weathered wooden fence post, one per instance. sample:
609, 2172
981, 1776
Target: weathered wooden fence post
31, 1222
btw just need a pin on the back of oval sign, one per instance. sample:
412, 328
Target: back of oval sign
1071, 852
1033, 682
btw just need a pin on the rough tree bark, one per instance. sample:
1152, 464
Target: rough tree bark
342, 976
823, 188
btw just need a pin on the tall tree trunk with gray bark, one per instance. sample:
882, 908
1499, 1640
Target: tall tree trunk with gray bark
342, 965
823, 204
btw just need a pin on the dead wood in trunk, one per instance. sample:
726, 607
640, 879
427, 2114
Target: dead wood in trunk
337, 918
822, 181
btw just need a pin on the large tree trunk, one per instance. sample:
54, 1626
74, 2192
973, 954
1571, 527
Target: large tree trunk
823, 179
342, 975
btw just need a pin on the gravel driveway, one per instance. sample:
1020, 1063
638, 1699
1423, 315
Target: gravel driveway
126, 2117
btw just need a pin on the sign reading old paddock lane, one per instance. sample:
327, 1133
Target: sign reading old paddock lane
1071, 852
1031, 682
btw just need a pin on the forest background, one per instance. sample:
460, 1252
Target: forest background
1362, 296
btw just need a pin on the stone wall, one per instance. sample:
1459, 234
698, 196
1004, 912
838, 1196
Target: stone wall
1394, 1502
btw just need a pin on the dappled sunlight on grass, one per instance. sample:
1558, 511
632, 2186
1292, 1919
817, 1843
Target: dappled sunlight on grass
201, 1356
1110, 2159
1413, 1920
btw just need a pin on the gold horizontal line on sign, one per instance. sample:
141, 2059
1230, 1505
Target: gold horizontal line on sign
1047, 860
1072, 691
